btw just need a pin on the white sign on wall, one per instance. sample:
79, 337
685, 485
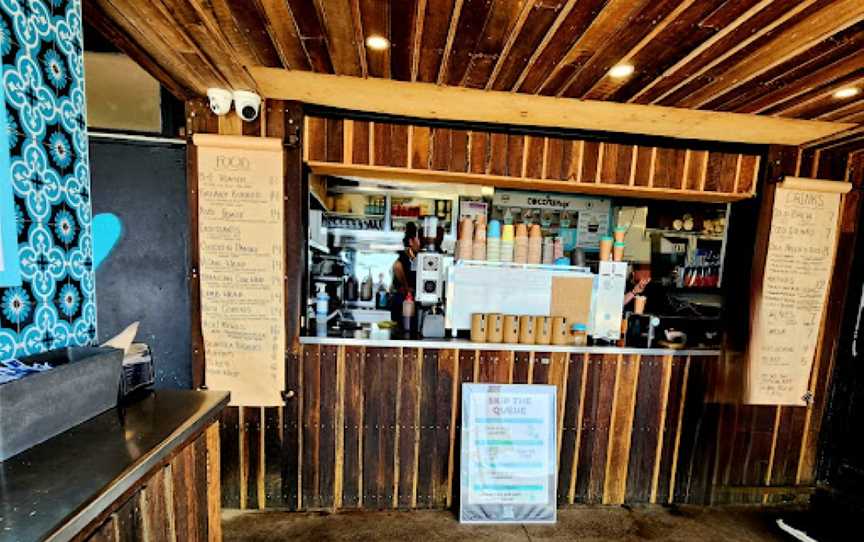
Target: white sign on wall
508, 454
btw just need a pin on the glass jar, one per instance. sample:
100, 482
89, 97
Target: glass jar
579, 334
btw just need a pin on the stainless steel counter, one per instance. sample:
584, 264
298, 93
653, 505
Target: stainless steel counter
461, 344
58, 487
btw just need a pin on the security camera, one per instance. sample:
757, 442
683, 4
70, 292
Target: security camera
220, 100
247, 104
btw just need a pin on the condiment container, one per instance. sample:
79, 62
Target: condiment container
542, 330
526, 329
579, 334
619, 233
605, 248
494, 327
618, 251
560, 330
407, 312
511, 329
478, 327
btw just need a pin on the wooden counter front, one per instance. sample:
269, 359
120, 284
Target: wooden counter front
372, 427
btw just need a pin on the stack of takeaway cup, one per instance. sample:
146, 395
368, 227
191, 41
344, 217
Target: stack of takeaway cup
535, 244
493, 241
520, 244
478, 251
466, 239
507, 243
548, 255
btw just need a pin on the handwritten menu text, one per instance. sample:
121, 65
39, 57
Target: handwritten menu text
795, 284
241, 257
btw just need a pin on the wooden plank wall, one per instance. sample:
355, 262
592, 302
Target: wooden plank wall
178, 500
378, 428
525, 161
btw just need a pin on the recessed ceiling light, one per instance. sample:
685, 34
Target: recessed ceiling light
621, 70
847, 92
377, 43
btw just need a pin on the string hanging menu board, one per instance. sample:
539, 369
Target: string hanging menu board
240, 231
798, 268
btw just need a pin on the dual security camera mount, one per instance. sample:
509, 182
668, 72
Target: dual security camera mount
246, 103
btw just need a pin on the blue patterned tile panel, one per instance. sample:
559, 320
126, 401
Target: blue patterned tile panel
41, 44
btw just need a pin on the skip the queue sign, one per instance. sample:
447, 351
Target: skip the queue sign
508, 454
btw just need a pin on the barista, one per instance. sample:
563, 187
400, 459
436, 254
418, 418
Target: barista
405, 271
404, 268
640, 284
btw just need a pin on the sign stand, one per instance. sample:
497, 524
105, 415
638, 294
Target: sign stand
508, 472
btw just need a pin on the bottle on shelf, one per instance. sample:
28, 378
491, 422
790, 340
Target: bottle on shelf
351, 288
407, 312
366, 288
382, 298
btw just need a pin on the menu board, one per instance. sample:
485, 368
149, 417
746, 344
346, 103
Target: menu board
788, 314
240, 232
508, 453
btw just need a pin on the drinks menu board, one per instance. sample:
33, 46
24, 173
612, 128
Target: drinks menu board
240, 231
798, 267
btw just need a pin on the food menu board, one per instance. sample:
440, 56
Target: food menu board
240, 230
508, 453
788, 315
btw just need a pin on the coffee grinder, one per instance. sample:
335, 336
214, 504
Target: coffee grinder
430, 283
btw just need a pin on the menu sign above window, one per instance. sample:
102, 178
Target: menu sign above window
798, 266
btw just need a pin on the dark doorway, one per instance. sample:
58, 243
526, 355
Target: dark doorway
143, 183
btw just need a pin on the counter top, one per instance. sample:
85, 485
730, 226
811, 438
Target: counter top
462, 344
55, 489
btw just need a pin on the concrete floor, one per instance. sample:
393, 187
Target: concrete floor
588, 523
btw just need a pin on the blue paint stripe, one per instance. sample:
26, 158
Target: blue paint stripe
527, 442
510, 420
506, 487
513, 466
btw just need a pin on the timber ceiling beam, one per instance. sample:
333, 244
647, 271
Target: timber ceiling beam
829, 20
430, 101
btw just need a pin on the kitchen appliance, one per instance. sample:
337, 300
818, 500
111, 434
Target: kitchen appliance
431, 322
641, 330
609, 286
430, 283
430, 278
430, 293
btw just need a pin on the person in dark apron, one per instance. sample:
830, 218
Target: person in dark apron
405, 271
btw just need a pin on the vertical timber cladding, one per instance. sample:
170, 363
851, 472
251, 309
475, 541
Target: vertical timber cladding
177, 500
379, 428
359, 147
259, 445
598, 462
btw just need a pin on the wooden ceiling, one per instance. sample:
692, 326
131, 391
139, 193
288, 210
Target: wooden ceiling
770, 57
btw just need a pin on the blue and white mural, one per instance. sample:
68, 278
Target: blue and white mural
43, 81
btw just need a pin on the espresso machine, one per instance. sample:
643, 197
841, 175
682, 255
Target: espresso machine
430, 283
